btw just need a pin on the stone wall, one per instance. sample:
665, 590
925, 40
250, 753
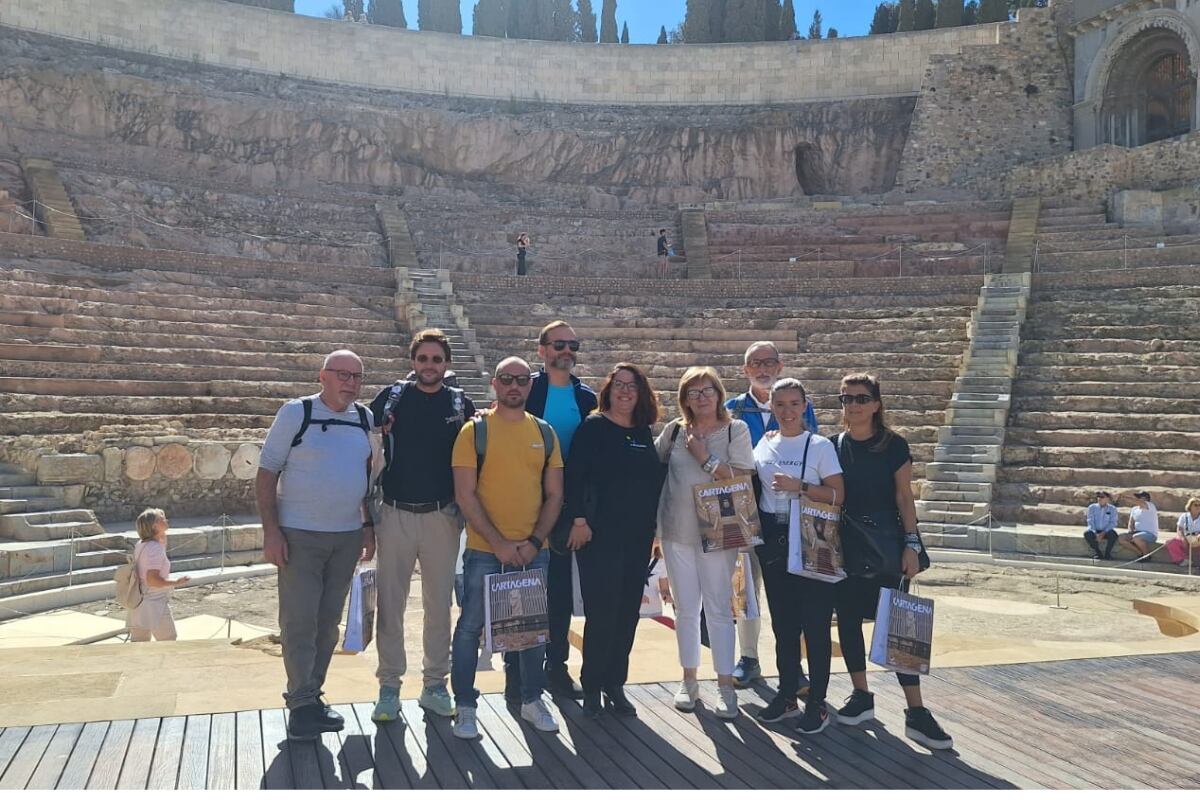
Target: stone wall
224, 34
1092, 175
985, 109
118, 476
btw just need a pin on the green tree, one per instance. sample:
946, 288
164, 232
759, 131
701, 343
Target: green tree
586, 22
744, 21
352, 8
787, 22
772, 12
949, 13
662, 35
696, 22
905, 17
563, 21
814, 27
993, 11
534, 19
971, 12
885, 19
625, 33
491, 18
608, 22
833, 34
387, 12
924, 16
334, 12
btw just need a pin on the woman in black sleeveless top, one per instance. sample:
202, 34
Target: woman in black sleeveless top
877, 468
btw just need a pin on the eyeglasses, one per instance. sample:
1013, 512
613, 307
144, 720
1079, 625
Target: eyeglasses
563, 344
851, 399
434, 359
696, 394
622, 386
507, 379
759, 363
345, 375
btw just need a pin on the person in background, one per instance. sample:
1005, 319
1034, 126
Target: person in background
1143, 524
1101, 524
1187, 533
153, 617
664, 253
522, 246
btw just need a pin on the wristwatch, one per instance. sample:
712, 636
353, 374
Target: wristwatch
913, 542
710, 465
535, 541
803, 487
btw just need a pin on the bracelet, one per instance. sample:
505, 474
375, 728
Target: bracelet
711, 465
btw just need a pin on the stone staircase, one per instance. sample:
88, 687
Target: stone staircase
1022, 235
695, 242
54, 209
959, 481
425, 298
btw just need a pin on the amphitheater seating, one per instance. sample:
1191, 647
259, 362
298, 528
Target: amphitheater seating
1072, 238
910, 332
1105, 396
774, 241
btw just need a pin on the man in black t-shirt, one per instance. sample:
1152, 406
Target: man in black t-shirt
664, 252
419, 521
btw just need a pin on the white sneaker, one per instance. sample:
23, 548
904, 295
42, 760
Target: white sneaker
727, 705
687, 695
537, 715
464, 723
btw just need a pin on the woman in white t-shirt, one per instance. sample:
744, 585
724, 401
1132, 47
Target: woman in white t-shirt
1187, 534
792, 462
1143, 524
153, 617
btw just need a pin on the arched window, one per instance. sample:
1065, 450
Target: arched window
1170, 97
1151, 91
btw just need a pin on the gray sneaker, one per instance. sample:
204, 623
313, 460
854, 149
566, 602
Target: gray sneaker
464, 726
436, 700
387, 709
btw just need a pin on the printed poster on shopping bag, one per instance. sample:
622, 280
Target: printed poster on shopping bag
515, 615
815, 542
360, 616
745, 601
728, 514
903, 637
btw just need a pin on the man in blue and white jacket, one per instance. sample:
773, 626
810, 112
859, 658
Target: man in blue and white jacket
1102, 523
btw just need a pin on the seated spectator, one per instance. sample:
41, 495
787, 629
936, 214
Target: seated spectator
1101, 524
1143, 524
1187, 533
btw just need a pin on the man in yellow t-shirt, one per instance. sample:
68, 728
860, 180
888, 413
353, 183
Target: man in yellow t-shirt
510, 506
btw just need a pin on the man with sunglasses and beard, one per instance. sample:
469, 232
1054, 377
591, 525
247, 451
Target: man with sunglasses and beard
563, 400
419, 520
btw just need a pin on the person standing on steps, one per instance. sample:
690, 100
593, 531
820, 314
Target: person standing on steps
152, 617
522, 246
311, 488
664, 253
419, 521
564, 401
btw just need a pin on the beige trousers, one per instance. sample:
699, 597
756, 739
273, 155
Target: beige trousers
402, 541
749, 629
152, 617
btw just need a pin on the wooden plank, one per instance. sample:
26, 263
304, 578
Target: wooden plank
396, 746
10, 743
476, 764
168, 751
655, 735
249, 751
610, 726
389, 771
78, 770
329, 759
276, 754
520, 760
128, 751
306, 768
24, 762
222, 752
436, 757
561, 775
193, 758
592, 740
357, 764
54, 760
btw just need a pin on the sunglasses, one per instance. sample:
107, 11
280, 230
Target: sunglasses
507, 380
563, 344
434, 359
851, 399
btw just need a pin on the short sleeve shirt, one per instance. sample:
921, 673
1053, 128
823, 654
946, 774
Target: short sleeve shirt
1145, 520
562, 412
510, 484
151, 555
870, 473
1189, 524
786, 454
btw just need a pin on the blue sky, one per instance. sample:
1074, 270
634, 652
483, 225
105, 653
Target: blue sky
850, 17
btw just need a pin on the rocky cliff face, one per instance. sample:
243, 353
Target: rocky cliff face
276, 132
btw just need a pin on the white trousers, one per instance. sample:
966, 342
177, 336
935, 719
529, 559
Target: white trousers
748, 630
152, 617
700, 579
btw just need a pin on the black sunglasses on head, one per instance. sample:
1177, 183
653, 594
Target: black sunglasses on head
850, 399
507, 380
563, 344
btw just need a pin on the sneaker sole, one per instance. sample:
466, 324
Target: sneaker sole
932, 744
785, 715
308, 737
726, 715
437, 712
824, 725
458, 735
378, 717
857, 719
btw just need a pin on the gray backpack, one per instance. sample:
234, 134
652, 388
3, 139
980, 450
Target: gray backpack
129, 587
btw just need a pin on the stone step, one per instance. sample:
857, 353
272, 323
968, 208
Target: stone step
1092, 477
968, 453
26, 505
16, 479
952, 435
1104, 404
1116, 421
978, 496
960, 473
1104, 457
45, 525
1117, 439
1054, 514
1080, 495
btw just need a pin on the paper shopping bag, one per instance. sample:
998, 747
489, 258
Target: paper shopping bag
360, 617
814, 543
745, 601
515, 611
728, 514
903, 638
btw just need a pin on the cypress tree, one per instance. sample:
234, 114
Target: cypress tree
949, 13
563, 21
608, 22
907, 14
586, 22
772, 14
814, 29
971, 12
625, 33
696, 27
787, 22
881, 21
744, 21
924, 16
833, 33
387, 12
662, 35
352, 8
993, 11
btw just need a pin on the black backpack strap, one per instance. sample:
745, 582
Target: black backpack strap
547, 440
364, 418
480, 442
675, 433
308, 405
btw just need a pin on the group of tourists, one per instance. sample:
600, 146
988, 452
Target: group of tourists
558, 476
1141, 531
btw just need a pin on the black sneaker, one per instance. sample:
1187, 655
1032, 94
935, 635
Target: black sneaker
616, 702
746, 671
815, 719
512, 684
560, 682
779, 709
802, 692
921, 727
860, 707
329, 720
305, 723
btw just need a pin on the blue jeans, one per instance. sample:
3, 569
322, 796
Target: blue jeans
465, 648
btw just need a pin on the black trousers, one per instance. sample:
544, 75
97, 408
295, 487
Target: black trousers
520, 262
785, 600
560, 602
612, 575
1110, 541
856, 600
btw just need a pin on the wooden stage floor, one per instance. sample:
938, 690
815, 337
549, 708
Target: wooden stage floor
1128, 722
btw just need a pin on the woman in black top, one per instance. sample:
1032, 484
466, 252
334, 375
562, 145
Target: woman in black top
877, 468
613, 481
